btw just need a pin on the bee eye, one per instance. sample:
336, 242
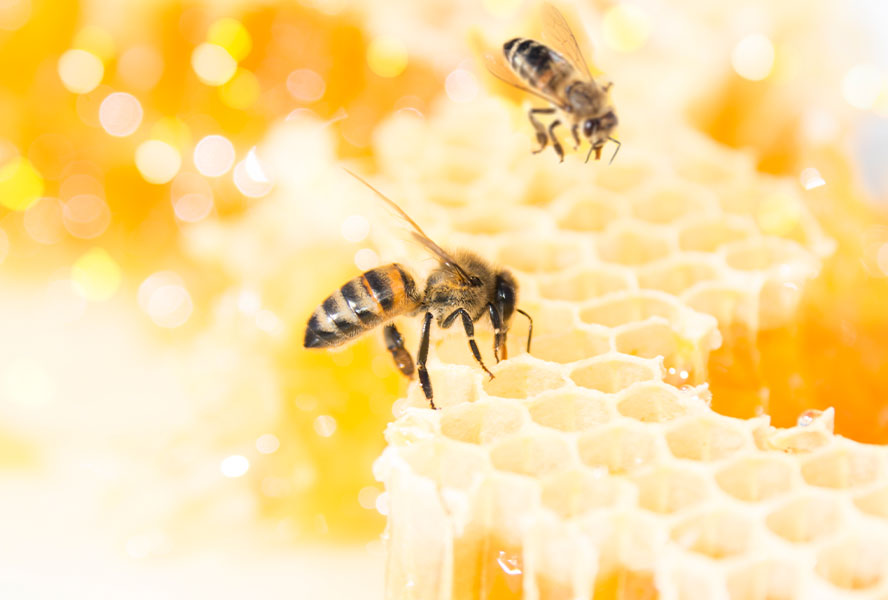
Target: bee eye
588, 126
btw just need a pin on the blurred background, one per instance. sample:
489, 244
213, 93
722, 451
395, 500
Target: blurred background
166, 228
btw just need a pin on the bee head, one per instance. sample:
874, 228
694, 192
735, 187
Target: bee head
506, 294
598, 129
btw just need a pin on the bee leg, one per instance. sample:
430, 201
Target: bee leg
575, 130
555, 143
499, 335
395, 344
421, 358
470, 333
540, 129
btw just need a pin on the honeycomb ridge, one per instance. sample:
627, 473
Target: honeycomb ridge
594, 466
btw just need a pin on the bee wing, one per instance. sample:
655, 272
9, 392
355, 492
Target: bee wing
557, 33
417, 232
496, 64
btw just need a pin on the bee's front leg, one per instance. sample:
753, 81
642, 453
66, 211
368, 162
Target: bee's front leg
575, 130
555, 143
542, 136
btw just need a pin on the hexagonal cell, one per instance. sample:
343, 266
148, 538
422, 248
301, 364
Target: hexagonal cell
633, 246
729, 304
628, 307
757, 478
805, 519
648, 339
666, 490
764, 580
571, 345
449, 463
535, 454
843, 467
717, 534
494, 220
451, 384
667, 203
572, 493
611, 373
709, 233
619, 448
522, 379
653, 402
763, 253
708, 168
589, 282
570, 410
623, 177
536, 255
588, 213
706, 438
854, 564
874, 502
481, 422
677, 274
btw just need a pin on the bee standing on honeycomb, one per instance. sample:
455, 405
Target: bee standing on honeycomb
561, 77
463, 286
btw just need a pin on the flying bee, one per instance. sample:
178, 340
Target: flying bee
463, 286
558, 74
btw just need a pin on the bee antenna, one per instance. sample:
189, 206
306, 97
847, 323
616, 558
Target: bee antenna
529, 327
617, 142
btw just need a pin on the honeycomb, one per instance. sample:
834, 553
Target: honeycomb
594, 466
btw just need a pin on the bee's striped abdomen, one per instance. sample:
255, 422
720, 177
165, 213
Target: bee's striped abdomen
532, 61
361, 304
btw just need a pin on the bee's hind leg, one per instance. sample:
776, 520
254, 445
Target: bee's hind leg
395, 344
555, 143
542, 136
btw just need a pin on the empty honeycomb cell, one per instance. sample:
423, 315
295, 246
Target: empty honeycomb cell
708, 233
519, 378
449, 463
481, 422
666, 203
653, 402
761, 254
620, 448
633, 246
495, 220
764, 580
577, 491
536, 454
625, 176
538, 255
710, 168
842, 467
587, 282
676, 274
805, 519
707, 438
452, 384
570, 410
756, 478
669, 489
874, 502
855, 563
729, 304
571, 345
716, 534
585, 211
648, 339
613, 372
628, 307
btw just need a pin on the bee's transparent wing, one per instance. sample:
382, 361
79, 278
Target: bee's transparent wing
496, 64
557, 34
418, 234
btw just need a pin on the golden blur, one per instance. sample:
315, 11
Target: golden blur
130, 184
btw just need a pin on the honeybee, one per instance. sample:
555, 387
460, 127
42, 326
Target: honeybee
463, 286
561, 77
